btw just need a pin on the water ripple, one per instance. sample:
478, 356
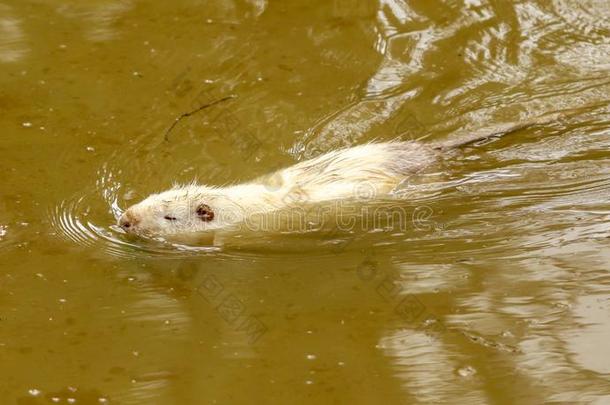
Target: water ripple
76, 221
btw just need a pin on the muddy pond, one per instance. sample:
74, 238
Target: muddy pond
495, 289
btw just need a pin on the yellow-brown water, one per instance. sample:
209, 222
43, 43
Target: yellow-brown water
498, 293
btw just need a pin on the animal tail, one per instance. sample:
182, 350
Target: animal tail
509, 128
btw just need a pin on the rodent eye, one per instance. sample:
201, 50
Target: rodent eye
169, 218
205, 213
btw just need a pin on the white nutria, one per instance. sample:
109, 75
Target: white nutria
196, 209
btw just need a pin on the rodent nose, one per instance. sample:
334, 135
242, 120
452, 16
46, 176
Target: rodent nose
127, 221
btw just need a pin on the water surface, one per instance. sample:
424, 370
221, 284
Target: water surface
496, 292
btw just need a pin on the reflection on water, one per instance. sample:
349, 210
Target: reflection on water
499, 294
13, 44
99, 19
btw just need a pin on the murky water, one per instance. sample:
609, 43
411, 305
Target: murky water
497, 292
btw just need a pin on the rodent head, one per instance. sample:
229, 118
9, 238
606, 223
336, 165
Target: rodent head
180, 210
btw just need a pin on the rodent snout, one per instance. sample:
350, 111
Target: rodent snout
128, 221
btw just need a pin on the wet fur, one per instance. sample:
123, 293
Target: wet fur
374, 168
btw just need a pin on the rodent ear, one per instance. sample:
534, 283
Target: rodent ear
205, 213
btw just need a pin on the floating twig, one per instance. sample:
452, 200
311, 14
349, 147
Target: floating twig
195, 111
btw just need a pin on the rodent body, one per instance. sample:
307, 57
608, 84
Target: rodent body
376, 168
337, 175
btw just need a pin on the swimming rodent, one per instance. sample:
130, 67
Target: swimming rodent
196, 209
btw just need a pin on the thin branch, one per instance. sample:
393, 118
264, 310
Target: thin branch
188, 114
